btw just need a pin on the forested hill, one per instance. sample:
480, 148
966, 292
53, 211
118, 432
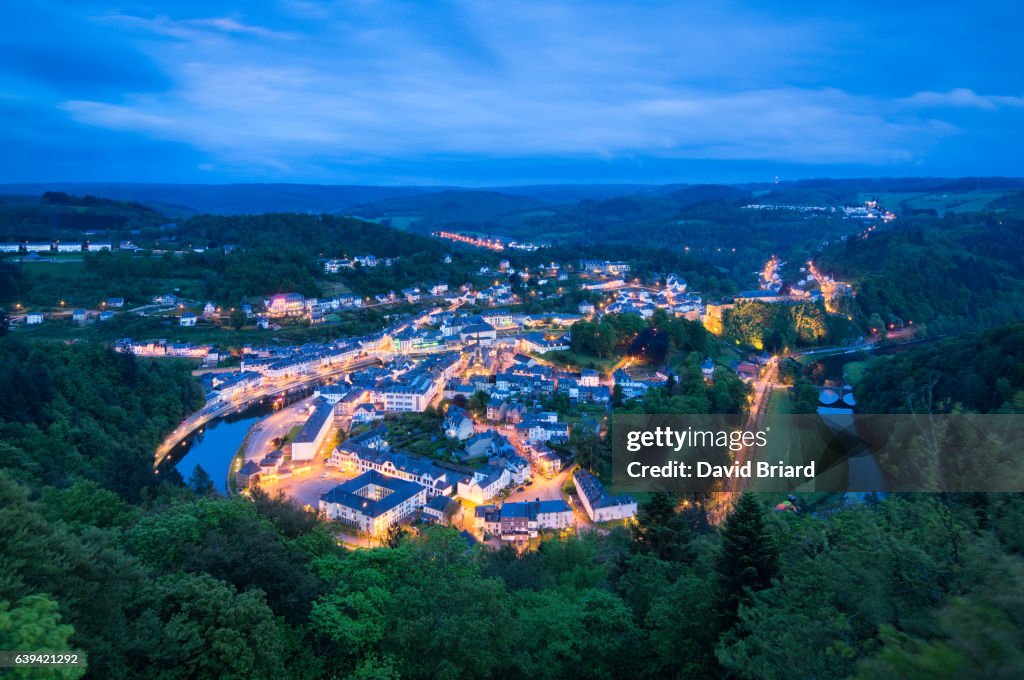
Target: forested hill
83, 411
953, 273
57, 216
979, 372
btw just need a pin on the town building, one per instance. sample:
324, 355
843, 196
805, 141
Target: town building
484, 484
314, 431
458, 424
373, 502
599, 505
285, 304
522, 521
354, 456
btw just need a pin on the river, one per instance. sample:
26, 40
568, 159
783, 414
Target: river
216, 443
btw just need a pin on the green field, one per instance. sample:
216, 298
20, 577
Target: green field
854, 370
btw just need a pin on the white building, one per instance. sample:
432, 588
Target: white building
373, 502
187, 319
599, 505
522, 521
314, 431
484, 484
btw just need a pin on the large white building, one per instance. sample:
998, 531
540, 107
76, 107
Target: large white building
355, 456
373, 502
599, 505
314, 431
286, 304
413, 393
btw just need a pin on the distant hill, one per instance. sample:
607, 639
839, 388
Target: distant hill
459, 208
58, 215
228, 199
574, 193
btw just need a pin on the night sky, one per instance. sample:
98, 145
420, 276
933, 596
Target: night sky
486, 93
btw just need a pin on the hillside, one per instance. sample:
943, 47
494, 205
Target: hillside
952, 273
54, 216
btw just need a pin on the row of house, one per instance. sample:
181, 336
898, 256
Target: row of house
523, 521
57, 246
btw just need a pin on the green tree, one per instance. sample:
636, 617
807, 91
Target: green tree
33, 624
200, 482
748, 560
237, 319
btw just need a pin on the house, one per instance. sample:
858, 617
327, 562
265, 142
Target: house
106, 315
439, 289
484, 484
33, 318
366, 413
247, 475
334, 265
373, 502
314, 431
599, 505
187, 319
586, 308
536, 430
458, 424
594, 395
522, 521
590, 378
442, 510
496, 409
79, 316
209, 309
708, 369
411, 294
115, 302
484, 445
98, 246
69, 247
631, 387
747, 371
271, 462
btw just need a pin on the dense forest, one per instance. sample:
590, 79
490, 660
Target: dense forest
951, 273
977, 373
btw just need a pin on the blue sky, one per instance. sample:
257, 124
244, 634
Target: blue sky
483, 93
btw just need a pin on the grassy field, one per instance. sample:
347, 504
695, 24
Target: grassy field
779, 403
854, 370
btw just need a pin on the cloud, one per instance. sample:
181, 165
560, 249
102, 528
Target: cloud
962, 98
309, 90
